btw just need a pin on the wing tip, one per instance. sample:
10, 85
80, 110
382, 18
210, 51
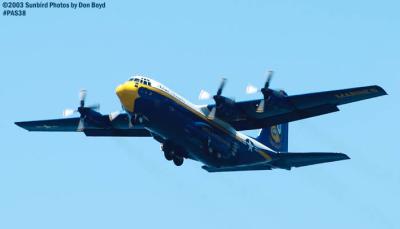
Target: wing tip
21, 124
208, 169
381, 90
344, 156
339, 156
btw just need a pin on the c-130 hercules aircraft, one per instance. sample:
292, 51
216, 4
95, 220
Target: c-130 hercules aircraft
210, 134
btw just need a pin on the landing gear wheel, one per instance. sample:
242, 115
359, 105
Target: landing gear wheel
178, 161
167, 155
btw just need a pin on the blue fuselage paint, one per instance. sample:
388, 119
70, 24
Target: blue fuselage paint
176, 123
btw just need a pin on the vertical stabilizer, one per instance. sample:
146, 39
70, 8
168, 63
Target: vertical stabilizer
275, 137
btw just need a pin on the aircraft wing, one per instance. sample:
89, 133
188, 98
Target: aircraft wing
64, 125
101, 126
244, 115
284, 161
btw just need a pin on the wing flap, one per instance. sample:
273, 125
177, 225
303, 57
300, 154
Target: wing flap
138, 132
294, 115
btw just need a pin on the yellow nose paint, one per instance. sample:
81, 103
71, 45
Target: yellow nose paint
127, 94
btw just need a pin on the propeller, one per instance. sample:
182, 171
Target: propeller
250, 89
203, 95
267, 83
266, 91
131, 119
217, 98
82, 97
81, 109
221, 87
113, 115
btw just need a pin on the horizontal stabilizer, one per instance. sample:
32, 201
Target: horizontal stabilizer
252, 167
284, 161
289, 160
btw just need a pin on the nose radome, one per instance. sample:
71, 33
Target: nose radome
119, 89
127, 94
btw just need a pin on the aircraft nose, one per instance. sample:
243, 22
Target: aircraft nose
127, 94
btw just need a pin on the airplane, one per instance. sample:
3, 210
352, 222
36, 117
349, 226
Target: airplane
210, 134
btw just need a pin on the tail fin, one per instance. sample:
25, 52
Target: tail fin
275, 137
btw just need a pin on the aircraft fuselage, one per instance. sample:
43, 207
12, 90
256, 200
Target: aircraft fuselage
188, 130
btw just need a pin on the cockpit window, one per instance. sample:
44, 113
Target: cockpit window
137, 80
134, 79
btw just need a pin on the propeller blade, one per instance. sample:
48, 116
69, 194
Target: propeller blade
132, 120
250, 89
82, 97
204, 95
94, 107
270, 75
113, 115
81, 124
261, 106
211, 115
221, 86
68, 112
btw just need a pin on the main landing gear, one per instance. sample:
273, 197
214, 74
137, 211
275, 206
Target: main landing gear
178, 161
172, 154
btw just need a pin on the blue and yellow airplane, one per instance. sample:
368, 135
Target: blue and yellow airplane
210, 134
